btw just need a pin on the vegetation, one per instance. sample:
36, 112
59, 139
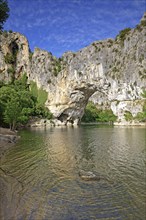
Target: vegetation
128, 116
4, 12
10, 58
144, 94
92, 114
95, 45
142, 24
30, 55
39, 93
57, 67
18, 104
123, 34
141, 116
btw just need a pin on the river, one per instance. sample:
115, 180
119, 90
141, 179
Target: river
39, 175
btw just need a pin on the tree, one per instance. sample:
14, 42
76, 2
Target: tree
12, 112
18, 104
4, 12
91, 113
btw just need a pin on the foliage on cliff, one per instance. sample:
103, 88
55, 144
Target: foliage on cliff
39, 93
141, 116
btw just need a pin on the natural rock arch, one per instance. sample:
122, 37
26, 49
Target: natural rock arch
72, 92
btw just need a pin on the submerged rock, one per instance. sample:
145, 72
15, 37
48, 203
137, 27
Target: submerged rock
88, 176
9, 138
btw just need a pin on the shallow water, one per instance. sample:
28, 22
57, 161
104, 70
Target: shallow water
40, 181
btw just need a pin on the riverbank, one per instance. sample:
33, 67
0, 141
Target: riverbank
7, 139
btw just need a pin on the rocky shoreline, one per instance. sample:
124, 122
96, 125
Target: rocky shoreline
7, 139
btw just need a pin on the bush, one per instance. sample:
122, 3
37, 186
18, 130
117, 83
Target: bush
40, 94
92, 114
30, 55
42, 111
122, 34
144, 94
128, 116
143, 23
10, 58
57, 67
11, 71
5, 34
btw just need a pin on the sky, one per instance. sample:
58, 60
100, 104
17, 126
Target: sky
69, 25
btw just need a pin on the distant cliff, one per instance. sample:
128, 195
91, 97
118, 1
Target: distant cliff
111, 73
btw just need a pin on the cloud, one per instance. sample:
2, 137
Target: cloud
61, 25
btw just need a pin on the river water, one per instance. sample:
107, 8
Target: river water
40, 181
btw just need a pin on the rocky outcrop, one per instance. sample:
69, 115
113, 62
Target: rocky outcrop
14, 56
88, 176
8, 136
111, 73
71, 87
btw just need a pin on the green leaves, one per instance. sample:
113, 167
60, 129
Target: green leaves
92, 114
12, 112
4, 12
18, 104
40, 94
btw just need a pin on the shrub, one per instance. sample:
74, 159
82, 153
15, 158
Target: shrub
11, 71
94, 44
144, 94
10, 58
42, 111
128, 116
49, 81
92, 114
143, 23
5, 34
30, 55
141, 116
39, 93
57, 67
122, 34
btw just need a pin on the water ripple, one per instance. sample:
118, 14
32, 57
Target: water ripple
40, 175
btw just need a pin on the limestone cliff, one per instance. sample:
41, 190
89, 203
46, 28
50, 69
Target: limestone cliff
14, 56
111, 73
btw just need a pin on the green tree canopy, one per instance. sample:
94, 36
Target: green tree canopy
18, 104
4, 12
92, 114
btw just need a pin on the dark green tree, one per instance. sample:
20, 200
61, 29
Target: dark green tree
12, 112
4, 12
18, 104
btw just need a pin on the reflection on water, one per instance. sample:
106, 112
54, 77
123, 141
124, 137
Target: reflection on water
40, 181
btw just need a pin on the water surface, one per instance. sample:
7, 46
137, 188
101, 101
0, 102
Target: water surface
40, 181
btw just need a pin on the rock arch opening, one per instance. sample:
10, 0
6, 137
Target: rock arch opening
73, 111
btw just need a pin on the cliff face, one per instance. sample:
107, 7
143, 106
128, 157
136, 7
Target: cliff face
111, 73
14, 56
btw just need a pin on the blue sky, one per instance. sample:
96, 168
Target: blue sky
69, 25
